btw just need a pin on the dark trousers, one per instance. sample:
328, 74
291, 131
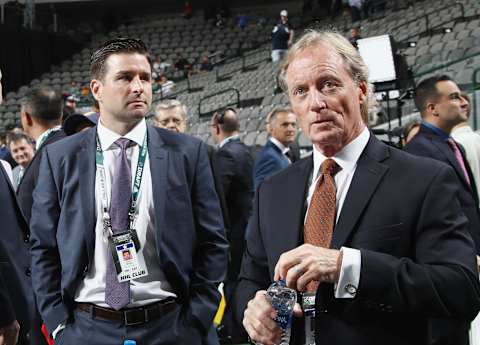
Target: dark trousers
172, 328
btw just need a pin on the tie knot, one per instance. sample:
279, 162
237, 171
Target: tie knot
123, 143
330, 167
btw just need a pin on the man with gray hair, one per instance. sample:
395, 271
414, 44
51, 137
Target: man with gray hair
171, 114
372, 257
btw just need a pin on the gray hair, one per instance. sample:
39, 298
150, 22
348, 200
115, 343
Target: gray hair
356, 67
170, 104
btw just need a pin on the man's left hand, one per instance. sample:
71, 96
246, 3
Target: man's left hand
308, 263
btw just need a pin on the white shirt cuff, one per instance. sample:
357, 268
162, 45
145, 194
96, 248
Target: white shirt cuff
58, 329
349, 273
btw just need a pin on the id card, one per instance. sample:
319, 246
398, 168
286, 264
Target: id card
125, 257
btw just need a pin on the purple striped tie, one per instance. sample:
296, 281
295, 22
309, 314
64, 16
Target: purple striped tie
117, 295
459, 157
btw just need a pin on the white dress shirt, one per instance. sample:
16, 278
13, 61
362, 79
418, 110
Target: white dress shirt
284, 149
145, 290
8, 170
347, 159
470, 141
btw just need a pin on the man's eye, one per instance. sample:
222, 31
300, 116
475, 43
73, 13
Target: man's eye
299, 91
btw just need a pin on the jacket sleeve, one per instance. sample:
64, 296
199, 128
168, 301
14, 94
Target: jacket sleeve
210, 261
440, 278
46, 267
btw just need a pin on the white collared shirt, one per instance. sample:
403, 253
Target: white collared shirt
347, 159
284, 149
145, 290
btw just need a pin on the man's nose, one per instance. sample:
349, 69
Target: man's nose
137, 85
317, 101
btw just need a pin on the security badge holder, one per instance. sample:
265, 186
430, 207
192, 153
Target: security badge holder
308, 307
124, 247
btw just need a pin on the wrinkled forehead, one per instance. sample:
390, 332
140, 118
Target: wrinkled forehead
314, 61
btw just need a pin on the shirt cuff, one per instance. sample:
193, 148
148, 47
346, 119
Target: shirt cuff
349, 273
58, 329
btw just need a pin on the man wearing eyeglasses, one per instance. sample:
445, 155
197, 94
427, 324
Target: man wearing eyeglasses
171, 115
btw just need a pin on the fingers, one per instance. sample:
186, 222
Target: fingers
307, 263
297, 310
258, 320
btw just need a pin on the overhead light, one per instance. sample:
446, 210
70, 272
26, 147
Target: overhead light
447, 30
412, 44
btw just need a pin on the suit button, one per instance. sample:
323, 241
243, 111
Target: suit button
26, 239
28, 272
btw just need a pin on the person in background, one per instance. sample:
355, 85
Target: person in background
22, 150
282, 37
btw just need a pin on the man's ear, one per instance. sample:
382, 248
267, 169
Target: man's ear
27, 117
362, 95
431, 108
96, 88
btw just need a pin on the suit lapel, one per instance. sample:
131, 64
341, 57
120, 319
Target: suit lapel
368, 174
447, 151
291, 197
86, 172
158, 157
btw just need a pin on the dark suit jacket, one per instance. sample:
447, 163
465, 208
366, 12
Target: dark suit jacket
190, 240
14, 259
236, 173
427, 143
402, 213
30, 177
269, 161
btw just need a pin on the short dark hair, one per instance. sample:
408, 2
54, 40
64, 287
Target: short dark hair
115, 46
227, 123
427, 91
15, 136
44, 102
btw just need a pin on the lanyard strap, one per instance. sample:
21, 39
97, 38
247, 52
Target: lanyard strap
137, 182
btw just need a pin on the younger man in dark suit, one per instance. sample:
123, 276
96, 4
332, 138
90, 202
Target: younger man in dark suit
126, 185
442, 107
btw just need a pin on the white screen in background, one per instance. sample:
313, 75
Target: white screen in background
377, 54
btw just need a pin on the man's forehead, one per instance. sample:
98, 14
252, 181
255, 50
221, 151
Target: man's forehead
447, 87
170, 113
127, 62
317, 58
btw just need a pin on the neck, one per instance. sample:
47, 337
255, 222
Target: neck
447, 128
24, 165
119, 127
36, 131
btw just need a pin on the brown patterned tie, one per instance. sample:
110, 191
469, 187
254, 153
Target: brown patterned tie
320, 221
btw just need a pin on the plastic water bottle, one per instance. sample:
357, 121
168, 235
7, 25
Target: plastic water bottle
283, 299
129, 342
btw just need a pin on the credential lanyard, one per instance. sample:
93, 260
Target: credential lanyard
137, 181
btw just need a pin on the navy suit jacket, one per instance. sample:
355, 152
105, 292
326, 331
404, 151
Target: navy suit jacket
235, 164
269, 161
190, 240
16, 295
30, 176
429, 144
402, 213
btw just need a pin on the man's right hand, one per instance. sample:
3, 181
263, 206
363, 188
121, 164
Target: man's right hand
259, 322
9, 334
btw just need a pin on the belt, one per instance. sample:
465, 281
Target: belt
132, 316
